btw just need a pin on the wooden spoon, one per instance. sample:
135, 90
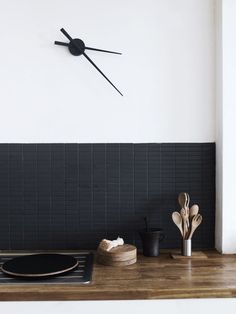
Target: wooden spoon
187, 207
187, 200
197, 219
193, 211
185, 221
178, 221
182, 199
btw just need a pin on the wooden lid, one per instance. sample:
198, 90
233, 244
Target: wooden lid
121, 249
119, 256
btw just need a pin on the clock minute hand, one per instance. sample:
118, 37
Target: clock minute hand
97, 68
66, 34
87, 57
108, 51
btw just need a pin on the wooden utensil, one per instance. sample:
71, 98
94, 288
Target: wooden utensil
193, 211
177, 219
123, 255
196, 221
182, 199
184, 216
187, 197
187, 200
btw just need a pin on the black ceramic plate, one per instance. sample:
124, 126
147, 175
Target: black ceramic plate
39, 265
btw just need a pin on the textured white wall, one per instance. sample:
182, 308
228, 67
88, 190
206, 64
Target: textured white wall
226, 130
166, 71
219, 129
197, 306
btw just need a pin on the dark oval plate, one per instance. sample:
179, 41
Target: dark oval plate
39, 265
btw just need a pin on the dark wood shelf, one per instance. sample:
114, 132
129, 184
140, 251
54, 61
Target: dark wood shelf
149, 278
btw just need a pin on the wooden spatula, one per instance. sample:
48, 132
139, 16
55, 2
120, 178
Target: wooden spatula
185, 220
196, 221
177, 219
184, 200
193, 211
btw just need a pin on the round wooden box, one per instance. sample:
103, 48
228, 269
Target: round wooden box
122, 255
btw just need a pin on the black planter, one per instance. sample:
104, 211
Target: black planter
150, 241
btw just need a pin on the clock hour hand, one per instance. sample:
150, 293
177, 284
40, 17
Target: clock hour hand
60, 43
108, 51
97, 68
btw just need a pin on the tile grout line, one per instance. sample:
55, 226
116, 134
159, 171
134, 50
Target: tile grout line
36, 192
92, 186
78, 221
105, 170
134, 209
147, 165
51, 189
160, 165
64, 197
23, 194
8, 199
119, 214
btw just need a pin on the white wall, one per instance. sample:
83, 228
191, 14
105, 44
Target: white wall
219, 129
218, 306
226, 152
166, 71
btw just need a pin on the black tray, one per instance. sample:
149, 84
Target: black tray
81, 274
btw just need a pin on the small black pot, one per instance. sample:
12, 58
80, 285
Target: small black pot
150, 241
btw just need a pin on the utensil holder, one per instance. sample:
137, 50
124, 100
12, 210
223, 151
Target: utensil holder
187, 247
150, 241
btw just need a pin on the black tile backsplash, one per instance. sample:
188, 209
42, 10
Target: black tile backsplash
70, 196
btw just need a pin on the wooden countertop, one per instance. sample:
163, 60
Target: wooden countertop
150, 278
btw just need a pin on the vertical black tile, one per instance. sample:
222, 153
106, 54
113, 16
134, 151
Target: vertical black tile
127, 181
16, 187
4, 197
58, 178
85, 159
4, 172
30, 179
71, 192
71, 178
113, 183
44, 193
154, 184
16, 192
99, 184
44, 179
208, 192
141, 193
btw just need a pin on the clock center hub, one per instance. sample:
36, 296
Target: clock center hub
76, 47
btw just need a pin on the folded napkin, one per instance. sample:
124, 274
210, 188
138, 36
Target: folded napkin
107, 245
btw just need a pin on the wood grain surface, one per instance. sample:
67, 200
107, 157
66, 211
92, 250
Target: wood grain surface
104, 261
150, 278
122, 255
195, 255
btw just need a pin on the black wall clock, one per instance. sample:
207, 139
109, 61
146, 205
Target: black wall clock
77, 47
